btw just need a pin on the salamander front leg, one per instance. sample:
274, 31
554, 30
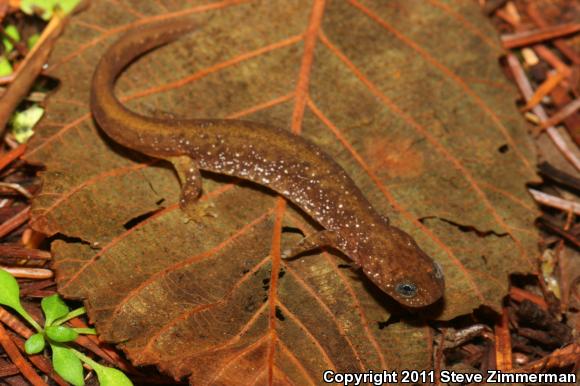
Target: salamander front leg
191, 186
320, 239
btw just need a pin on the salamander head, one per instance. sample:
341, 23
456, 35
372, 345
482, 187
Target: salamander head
397, 265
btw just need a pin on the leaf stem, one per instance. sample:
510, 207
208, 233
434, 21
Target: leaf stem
84, 358
22, 312
86, 331
69, 316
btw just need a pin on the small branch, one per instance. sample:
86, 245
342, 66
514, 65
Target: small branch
544, 89
562, 114
30, 68
563, 357
559, 231
503, 345
536, 16
520, 295
23, 365
555, 202
17, 251
526, 90
552, 59
12, 155
558, 176
534, 36
16, 187
14, 222
29, 273
15, 324
41, 362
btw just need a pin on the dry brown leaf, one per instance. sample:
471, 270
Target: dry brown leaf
407, 96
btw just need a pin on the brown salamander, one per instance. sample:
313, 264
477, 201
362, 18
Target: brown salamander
286, 163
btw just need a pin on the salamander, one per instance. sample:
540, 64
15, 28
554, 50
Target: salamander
272, 157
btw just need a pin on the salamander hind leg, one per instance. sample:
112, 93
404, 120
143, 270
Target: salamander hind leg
191, 187
316, 240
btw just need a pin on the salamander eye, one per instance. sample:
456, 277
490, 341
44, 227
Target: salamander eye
406, 289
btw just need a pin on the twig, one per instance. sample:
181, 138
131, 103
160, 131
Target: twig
15, 324
562, 114
503, 345
555, 202
559, 358
526, 90
559, 231
30, 68
30, 289
14, 222
552, 59
508, 17
519, 295
23, 365
560, 98
7, 369
536, 16
41, 362
9, 210
544, 89
12, 155
558, 176
20, 252
530, 37
29, 273
19, 188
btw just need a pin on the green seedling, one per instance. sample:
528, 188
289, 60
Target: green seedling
23, 122
67, 362
12, 35
35, 344
5, 66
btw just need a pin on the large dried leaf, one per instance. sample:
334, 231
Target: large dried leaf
406, 95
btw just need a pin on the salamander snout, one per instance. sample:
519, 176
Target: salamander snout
398, 266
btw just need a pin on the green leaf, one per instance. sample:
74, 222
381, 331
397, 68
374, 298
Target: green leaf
5, 66
45, 8
67, 365
23, 122
11, 31
10, 296
9, 290
61, 334
107, 376
32, 40
111, 377
68, 5
54, 307
34, 344
42, 8
71, 315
